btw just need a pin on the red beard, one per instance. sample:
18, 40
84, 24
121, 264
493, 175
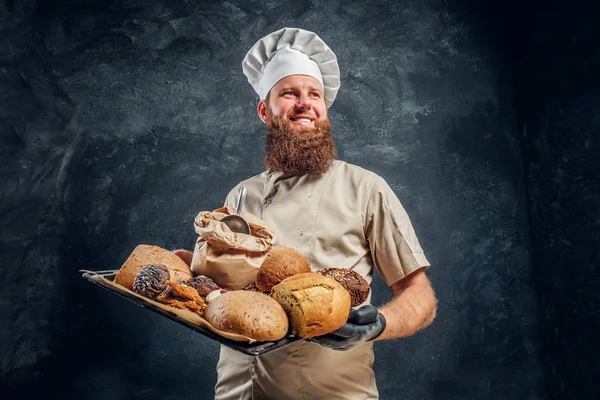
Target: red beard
295, 150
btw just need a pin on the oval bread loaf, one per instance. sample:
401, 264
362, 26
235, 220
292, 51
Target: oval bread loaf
251, 314
315, 304
144, 255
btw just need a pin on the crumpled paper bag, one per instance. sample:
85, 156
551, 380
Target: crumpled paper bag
230, 259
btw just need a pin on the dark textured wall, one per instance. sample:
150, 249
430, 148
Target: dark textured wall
121, 120
559, 99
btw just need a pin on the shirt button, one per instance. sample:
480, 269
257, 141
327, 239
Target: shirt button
289, 353
300, 233
310, 196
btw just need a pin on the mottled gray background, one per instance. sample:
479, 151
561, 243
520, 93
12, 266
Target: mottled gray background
120, 120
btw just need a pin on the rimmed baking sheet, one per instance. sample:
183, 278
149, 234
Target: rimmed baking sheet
187, 318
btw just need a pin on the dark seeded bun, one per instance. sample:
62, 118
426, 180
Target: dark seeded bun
203, 285
355, 284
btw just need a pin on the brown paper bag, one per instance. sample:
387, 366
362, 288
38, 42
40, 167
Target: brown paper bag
230, 259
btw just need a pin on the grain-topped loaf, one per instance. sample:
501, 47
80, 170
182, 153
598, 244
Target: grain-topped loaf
315, 304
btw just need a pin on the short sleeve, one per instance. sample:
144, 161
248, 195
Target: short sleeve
394, 246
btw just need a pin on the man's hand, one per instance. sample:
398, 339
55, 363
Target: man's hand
364, 324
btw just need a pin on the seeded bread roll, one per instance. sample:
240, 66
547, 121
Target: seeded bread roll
355, 284
203, 285
315, 304
144, 255
281, 262
251, 314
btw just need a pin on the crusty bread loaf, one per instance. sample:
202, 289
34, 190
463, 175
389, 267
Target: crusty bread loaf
352, 281
144, 255
252, 314
281, 262
315, 304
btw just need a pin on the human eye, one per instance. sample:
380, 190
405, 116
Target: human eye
316, 95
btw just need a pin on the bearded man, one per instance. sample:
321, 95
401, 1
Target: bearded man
336, 214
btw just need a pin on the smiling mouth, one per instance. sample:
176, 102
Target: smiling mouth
301, 120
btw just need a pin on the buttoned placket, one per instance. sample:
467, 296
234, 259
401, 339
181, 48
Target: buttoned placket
269, 191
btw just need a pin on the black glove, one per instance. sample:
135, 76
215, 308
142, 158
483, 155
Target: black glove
363, 325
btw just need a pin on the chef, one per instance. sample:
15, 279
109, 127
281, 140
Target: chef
337, 214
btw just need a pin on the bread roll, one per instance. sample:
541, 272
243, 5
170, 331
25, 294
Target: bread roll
203, 285
315, 304
281, 262
355, 284
251, 314
144, 255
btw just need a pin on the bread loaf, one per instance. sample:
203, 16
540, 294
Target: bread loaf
144, 255
281, 262
252, 314
315, 304
355, 284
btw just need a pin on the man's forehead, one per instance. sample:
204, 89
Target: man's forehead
293, 81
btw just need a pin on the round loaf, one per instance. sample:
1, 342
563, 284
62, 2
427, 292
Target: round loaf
352, 281
144, 255
251, 314
315, 304
281, 262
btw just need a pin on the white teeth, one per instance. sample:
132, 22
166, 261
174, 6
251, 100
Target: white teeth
303, 120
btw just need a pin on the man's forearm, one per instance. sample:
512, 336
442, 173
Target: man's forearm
412, 309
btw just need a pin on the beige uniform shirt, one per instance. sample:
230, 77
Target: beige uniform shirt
346, 218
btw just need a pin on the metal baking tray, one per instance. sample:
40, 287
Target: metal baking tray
253, 349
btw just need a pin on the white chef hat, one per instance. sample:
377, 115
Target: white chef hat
291, 51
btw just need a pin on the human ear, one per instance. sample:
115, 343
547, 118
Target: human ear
261, 109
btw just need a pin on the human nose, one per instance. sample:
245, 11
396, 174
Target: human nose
304, 101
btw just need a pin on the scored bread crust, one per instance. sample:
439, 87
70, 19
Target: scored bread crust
315, 304
251, 314
144, 255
